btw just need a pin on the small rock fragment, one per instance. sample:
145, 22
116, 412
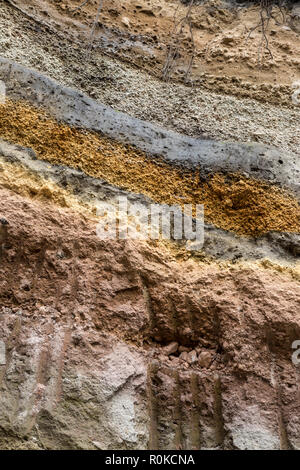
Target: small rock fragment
192, 357
175, 360
148, 11
184, 356
171, 348
126, 21
205, 359
187, 332
228, 40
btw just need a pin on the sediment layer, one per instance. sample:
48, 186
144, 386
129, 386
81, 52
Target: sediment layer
231, 202
80, 300
27, 176
127, 344
76, 109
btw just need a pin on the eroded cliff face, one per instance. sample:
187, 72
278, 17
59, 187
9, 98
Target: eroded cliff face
138, 344
91, 332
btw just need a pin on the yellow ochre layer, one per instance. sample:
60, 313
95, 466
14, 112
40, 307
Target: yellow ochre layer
233, 202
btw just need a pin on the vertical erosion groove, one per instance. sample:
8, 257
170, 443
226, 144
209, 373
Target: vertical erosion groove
195, 436
219, 422
152, 407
